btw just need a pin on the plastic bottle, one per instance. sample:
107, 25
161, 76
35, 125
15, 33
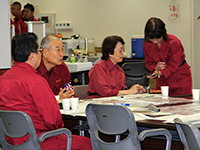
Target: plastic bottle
73, 59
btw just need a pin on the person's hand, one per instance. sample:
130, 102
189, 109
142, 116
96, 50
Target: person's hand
160, 66
68, 94
136, 89
155, 74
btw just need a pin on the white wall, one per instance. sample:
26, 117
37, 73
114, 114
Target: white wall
100, 18
5, 52
196, 39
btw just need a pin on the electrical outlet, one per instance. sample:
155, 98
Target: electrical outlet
67, 25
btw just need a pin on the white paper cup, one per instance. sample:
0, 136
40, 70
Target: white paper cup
195, 94
57, 97
66, 103
74, 103
165, 91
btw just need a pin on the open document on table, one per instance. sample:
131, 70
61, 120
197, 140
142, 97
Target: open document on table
171, 107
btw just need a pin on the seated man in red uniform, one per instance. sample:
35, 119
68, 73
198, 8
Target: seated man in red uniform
20, 26
106, 78
52, 68
23, 89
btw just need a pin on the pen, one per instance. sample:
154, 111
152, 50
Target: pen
153, 108
123, 104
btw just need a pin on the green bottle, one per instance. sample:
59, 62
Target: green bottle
73, 59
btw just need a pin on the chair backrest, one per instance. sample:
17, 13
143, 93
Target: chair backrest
130, 81
17, 124
189, 135
136, 73
134, 68
112, 120
81, 91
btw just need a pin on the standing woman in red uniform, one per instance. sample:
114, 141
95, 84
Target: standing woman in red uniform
164, 55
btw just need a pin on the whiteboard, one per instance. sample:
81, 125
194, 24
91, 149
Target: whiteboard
5, 35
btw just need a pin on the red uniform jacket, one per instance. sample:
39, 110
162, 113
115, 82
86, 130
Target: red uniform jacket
23, 89
177, 74
57, 77
33, 19
20, 26
106, 79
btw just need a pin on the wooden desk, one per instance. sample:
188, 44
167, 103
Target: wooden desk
148, 144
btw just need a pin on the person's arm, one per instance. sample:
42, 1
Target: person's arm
22, 26
149, 63
46, 105
67, 74
68, 94
66, 78
99, 80
157, 72
135, 89
175, 59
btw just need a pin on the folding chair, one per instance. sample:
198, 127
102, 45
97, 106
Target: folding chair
136, 73
189, 134
117, 120
17, 124
81, 91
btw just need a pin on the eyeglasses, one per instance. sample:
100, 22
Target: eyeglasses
40, 50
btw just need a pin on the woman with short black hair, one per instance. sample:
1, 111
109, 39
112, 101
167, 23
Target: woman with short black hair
107, 78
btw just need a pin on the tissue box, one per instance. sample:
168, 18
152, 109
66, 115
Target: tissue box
82, 66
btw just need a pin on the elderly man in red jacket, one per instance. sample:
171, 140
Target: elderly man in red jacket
23, 89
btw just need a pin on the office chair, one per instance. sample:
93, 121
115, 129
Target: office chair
81, 91
117, 120
189, 135
17, 124
136, 73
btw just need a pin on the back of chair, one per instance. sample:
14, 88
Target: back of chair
130, 81
81, 91
134, 68
112, 120
136, 73
189, 135
17, 124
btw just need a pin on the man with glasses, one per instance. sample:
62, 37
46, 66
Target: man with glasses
52, 67
23, 89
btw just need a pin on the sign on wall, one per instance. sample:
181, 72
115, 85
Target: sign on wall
174, 11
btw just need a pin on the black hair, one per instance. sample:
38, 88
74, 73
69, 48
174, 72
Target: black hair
23, 45
155, 28
17, 4
29, 6
109, 44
